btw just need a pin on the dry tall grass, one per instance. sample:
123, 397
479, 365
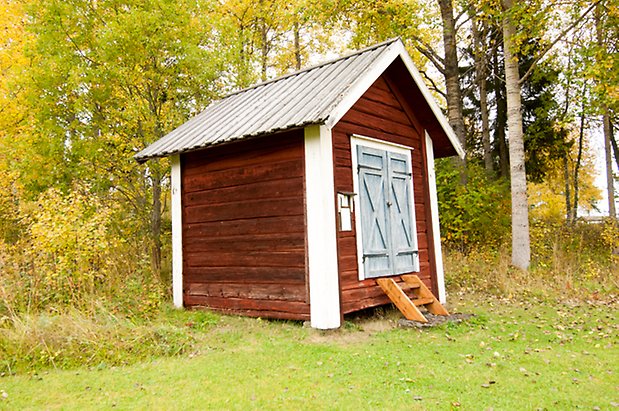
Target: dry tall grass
64, 340
568, 262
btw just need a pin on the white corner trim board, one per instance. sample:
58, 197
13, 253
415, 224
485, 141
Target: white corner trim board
321, 229
177, 232
436, 229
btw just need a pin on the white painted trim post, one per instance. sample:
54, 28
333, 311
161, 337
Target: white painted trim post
436, 229
177, 231
321, 229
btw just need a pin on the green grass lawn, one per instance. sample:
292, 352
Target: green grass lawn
510, 356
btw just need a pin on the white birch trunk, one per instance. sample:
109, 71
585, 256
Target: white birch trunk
610, 187
521, 246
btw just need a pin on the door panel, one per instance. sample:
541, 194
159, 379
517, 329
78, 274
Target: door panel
402, 211
386, 213
373, 187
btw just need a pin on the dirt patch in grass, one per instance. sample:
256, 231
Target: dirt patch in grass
352, 332
434, 320
358, 327
370, 322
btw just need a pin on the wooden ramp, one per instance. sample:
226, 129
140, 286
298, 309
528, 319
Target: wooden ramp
408, 307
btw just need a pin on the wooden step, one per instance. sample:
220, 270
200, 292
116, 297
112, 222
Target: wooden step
434, 306
408, 307
406, 286
412, 280
422, 301
401, 300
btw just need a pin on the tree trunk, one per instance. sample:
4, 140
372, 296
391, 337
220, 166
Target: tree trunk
581, 138
501, 117
568, 195
482, 82
521, 246
452, 75
155, 223
610, 187
297, 45
613, 143
264, 50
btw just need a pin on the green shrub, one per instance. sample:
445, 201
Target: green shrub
474, 213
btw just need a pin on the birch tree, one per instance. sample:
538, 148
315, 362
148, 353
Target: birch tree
606, 125
521, 244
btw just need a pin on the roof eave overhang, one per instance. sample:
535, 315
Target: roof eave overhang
144, 158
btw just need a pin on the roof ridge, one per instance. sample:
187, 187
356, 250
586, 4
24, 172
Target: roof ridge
315, 66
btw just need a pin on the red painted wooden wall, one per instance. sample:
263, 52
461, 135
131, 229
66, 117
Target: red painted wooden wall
383, 114
244, 227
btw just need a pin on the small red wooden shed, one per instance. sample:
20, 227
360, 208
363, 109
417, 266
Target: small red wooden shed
290, 197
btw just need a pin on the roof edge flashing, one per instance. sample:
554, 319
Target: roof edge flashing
141, 159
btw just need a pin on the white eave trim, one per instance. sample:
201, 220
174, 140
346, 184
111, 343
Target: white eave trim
177, 231
363, 83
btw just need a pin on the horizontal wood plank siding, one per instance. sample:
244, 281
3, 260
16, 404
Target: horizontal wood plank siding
378, 114
244, 227
288, 310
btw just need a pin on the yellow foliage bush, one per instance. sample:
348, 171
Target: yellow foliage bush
70, 255
68, 242
610, 237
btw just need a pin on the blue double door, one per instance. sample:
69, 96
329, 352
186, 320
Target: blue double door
387, 213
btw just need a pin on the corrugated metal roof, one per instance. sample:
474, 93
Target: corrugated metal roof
296, 100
